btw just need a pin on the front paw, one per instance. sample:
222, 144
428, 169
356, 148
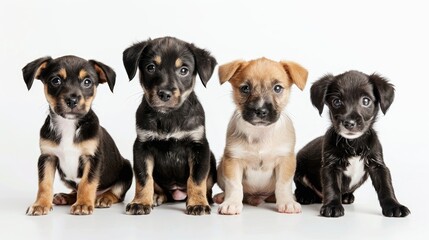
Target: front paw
395, 210
230, 208
38, 210
332, 210
289, 207
138, 209
197, 209
81, 209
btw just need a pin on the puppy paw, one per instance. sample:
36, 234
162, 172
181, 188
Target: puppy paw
81, 209
230, 208
198, 209
395, 210
159, 199
306, 196
332, 210
219, 198
348, 198
289, 207
38, 210
138, 209
103, 202
64, 199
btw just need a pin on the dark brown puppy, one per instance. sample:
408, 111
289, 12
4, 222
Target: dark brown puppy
172, 158
72, 141
330, 168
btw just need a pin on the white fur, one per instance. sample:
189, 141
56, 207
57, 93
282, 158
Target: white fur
344, 132
67, 152
355, 170
196, 134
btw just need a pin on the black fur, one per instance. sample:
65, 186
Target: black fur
107, 165
175, 159
321, 164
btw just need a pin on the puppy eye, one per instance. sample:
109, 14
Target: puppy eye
245, 89
87, 83
56, 81
150, 68
366, 101
337, 103
183, 71
278, 88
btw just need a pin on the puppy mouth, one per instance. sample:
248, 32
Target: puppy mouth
350, 134
259, 122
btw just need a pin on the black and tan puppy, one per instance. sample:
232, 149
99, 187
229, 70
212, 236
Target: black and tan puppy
172, 159
330, 168
72, 141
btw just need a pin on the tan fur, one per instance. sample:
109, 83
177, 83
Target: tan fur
197, 193
106, 200
83, 73
62, 73
102, 78
259, 161
157, 60
86, 193
43, 203
39, 70
178, 63
87, 147
144, 194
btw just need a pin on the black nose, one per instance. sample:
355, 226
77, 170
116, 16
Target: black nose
349, 124
261, 112
164, 95
72, 101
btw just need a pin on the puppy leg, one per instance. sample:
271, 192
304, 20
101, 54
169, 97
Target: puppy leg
159, 197
284, 176
43, 204
331, 181
305, 195
197, 202
348, 198
231, 174
87, 188
117, 192
382, 181
64, 198
143, 169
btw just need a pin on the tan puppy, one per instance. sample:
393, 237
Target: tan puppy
259, 160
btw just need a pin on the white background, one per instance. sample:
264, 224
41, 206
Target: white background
388, 37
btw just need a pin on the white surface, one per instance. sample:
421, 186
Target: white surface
388, 37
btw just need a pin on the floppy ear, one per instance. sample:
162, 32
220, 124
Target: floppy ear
318, 91
105, 73
296, 72
131, 58
383, 90
227, 71
33, 70
204, 62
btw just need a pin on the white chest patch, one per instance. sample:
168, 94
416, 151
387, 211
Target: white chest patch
67, 152
355, 171
147, 135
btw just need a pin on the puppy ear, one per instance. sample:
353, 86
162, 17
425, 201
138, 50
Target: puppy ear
105, 73
204, 62
228, 70
383, 90
33, 70
318, 91
296, 72
131, 58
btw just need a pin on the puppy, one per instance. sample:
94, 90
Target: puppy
330, 168
72, 140
172, 158
259, 160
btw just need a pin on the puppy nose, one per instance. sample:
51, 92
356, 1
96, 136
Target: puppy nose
164, 95
72, 101
261, 112
349, 124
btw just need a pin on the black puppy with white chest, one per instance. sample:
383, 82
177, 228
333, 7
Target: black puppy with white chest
330, 168
72, 140
172, 158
